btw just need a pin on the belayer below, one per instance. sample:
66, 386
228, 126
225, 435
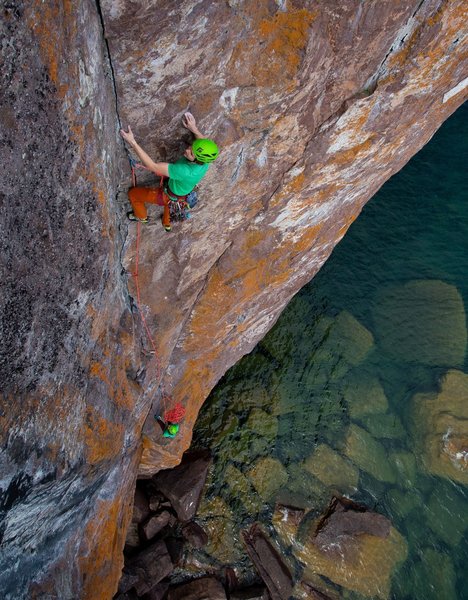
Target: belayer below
170, 430
183, 175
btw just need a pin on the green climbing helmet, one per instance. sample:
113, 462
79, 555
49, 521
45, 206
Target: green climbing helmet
205, 151
173, 428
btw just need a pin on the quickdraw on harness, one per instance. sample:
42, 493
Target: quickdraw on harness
176, 414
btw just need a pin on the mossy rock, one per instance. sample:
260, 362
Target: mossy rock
332, 469
364, 394
440, 427
386, 426
350, 339
267, 475
423, 322
217, 520
303, 484
368, 454
241, 489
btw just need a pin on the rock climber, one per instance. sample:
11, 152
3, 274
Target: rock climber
170, 430
183, 175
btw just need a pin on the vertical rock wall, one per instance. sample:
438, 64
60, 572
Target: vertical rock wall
314, 106
70, 414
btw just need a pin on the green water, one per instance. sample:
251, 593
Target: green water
326, 402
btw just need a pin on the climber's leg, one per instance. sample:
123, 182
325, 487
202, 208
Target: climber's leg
139, 196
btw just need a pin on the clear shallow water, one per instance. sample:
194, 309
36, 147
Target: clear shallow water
328, 401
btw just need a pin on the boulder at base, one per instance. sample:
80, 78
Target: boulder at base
205, 588
184, 484
440, 423
354, 548
269, 564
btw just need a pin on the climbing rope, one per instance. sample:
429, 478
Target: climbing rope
177, 413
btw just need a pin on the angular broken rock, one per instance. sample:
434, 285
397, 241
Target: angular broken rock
133, 539
195, 535
354, 548
184, 484
204, 588
146, 569
155, 524
268, 563
141, 508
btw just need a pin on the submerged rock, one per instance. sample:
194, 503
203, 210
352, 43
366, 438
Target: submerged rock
267, 475
404, 464
384, 426
368, 454
218, 522
364, 395
332, 469
433, 576
353, 548
422, 322
440, 426
241, 488
447, 514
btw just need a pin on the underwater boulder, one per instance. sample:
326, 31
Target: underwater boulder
267, 475
242, 489
218, 522
440, 427
332, 469
422, 322
286, 520
364, 394
368, 454
354, 548
386, 426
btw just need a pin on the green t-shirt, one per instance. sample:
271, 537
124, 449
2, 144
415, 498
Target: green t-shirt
184, 175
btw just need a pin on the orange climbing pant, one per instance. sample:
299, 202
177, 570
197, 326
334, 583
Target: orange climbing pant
139, 196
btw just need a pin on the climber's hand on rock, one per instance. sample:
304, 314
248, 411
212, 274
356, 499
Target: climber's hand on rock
189, 121
128, 135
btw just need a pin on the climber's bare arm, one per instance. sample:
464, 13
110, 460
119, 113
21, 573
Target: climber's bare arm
189, 122
160, 168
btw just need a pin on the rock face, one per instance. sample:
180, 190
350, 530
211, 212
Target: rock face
313, 109
71, 408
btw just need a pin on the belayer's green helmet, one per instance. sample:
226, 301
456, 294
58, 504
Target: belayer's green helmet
173, 428
205, 151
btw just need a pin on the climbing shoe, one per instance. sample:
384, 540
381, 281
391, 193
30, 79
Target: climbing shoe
132, 217
166, 227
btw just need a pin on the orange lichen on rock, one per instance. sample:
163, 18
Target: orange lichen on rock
101, 558
103, 439
273, 53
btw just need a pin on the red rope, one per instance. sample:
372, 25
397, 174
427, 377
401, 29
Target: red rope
178, 411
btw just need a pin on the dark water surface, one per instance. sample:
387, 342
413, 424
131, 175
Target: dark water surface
342, 395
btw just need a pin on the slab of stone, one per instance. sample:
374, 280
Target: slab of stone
241, 487
332, 469
203, 588
364, 394
269, 564
146, 569
184, 484
141, 508
440, 427
155, 524
404, 464
194, 534
354, 548
267, 475
447, 514
434, 576
217, 520
422, 321
384, 426
368, 454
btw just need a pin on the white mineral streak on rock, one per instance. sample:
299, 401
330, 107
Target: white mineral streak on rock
228, 98
456, 90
